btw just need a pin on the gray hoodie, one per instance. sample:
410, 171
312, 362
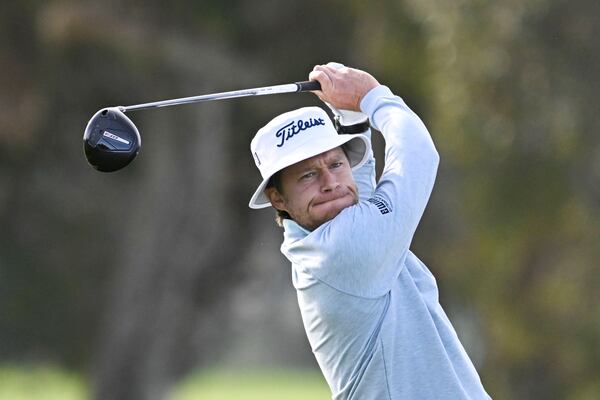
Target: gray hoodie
369, 306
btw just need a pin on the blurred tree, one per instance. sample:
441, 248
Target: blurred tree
512, 85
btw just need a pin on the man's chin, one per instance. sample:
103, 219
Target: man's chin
330, 209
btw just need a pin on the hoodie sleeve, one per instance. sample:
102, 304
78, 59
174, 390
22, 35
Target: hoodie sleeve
362, 250
365, 175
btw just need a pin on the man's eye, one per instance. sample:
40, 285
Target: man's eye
336, 164
308, 175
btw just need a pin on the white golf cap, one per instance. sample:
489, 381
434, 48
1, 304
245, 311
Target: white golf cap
296, 136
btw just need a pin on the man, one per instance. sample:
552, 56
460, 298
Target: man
369, 306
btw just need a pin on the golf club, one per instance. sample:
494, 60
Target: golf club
111, 140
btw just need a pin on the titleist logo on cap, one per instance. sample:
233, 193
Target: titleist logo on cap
286, 132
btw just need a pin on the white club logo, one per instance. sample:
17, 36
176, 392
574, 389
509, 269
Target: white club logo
114, 137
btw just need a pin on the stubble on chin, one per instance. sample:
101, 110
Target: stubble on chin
334, 213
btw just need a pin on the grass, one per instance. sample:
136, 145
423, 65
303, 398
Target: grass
253, 385
40, 383
18, 382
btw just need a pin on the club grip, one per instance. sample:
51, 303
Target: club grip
308, 85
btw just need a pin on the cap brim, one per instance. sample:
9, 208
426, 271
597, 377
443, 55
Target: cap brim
357, 147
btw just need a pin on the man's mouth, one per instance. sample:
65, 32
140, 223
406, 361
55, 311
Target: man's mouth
329, 199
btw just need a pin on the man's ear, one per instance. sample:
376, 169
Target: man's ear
277, 200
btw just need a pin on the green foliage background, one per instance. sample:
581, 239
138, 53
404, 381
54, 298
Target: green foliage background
508, 90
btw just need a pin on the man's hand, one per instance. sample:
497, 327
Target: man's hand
343, 88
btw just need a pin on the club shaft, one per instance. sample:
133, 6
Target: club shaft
286, 88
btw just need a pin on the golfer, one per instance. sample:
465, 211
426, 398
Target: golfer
369, 305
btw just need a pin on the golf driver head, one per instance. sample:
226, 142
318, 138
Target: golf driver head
111, 140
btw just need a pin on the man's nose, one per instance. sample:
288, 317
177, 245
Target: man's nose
328, 181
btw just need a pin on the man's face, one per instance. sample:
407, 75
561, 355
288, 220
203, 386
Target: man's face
317, 189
